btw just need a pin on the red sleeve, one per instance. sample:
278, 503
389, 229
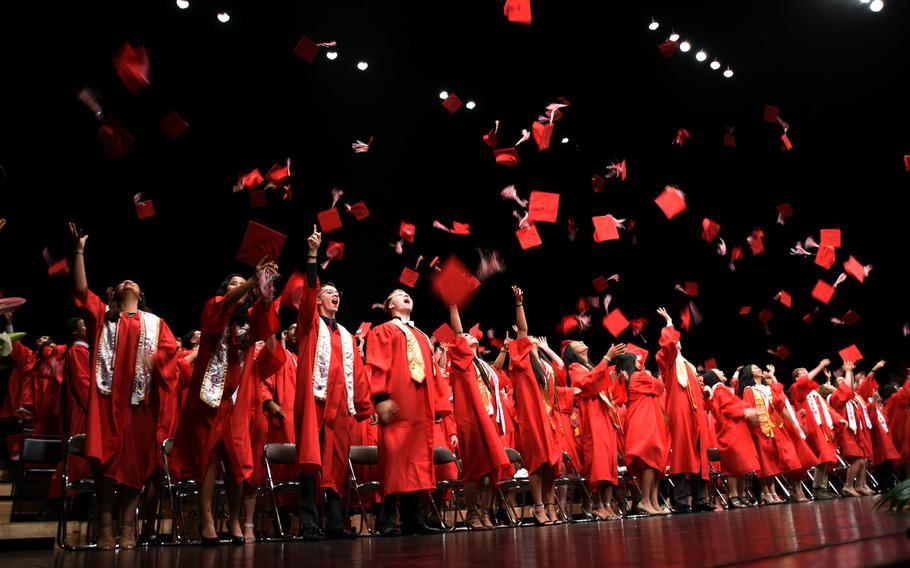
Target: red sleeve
748, 397
867, 387
727, 404
216, 315
166, 358
840, 396
93, 306
460, 355
22, 356
363, 403
669, 349
380, 344
270, 360
559, 374
263, 319
590, 382
443, 394
901, 397
307, 315
78, 365
566, 397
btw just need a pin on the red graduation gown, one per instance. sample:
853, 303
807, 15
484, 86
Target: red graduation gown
20, 381
331, 416
406, 443
536, 442
202, 427
738, 455
479, 444
883, 448
599, 423
852, 443
775, 452
120, 436
77, 382
43, 399
804, 456
647, 442
820, 437
686, 411
898, 414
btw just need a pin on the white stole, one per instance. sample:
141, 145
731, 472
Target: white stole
494, 382
818, 407
322, 360
150, 330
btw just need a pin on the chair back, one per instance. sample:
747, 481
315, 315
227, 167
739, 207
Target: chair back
713, 454
442, 456
76, 445
364, 455
514, 456
285, 454
41, 450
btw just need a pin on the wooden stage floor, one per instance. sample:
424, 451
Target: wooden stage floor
847, 532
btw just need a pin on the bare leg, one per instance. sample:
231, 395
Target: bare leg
235, 502
249, 511
106, 539
852, 473
206, 497
536, 486
547, 478
648, 488
129, 502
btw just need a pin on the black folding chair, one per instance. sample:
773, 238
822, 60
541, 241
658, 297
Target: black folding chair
175, 492
365, 456
38, 461
75, 447
513, 485
279, 454
718, 479
443, 456
573, 479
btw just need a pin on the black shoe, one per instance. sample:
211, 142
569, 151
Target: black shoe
702, 508
681, 509
312, 534
340, 534
389, 531
209, 541
420, 528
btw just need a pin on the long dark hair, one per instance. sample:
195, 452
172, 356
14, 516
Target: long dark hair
539, 372
570, 355
746, 379
626, 362
241, 314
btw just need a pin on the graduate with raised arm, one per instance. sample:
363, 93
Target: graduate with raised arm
409, 394
133, 370
332, 395
476, 389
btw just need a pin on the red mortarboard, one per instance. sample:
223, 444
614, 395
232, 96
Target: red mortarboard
682, 136
567, 325
335, 250
444, 333
252, 180
115, 140
785, 298
605, 228
668, 48
257, 198
408, 277
907, 162
810, 317
736, 253
329, 220
543, 207
542, 133
783, 352
174, 125
758, 246
293, 290
709, 230
454, 284
145, 209
461, 228
855, 269
823, 292
771, 114
851, 354
825, 256
745, 310
685, 318
710, 363
359, 211
597, 183
600, 283
528, 237
851, 317
636, 350
306, 49
363, 329
729, 139
672, 202
490, 138
615, 323
59, 268
9, 305
690, 289
452, 103
132, 65
765, 316
279, 174
518, 11
785, 142
506, 156
475, 331
785, 210
830, 237
258, 242
406, 231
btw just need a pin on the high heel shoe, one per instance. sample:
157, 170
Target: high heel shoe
540, 512
207, 540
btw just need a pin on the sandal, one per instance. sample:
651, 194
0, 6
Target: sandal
554, 516
601, 513
472, 520
127, 538
106, 540
540, 516
486, 520
251, 538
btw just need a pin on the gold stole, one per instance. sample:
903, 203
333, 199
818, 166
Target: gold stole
764, 420
415, 358
485, 395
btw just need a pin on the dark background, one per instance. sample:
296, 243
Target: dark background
836, 70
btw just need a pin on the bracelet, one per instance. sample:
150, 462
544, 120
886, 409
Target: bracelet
77, 252
518, 305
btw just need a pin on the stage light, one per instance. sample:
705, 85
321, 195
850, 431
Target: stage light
715, 65
223, 17
673, 37
876, 5
362, 65
331, 55
728, 73
653, 25
183, 4
470, 105
701, 55
685, 46
443, 95
565, 140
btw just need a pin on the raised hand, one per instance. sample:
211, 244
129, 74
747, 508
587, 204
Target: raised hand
314, 241
824, 363
662, 312
878, 366
849, 365
519, 295
79, 236
506, 341
615, 351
